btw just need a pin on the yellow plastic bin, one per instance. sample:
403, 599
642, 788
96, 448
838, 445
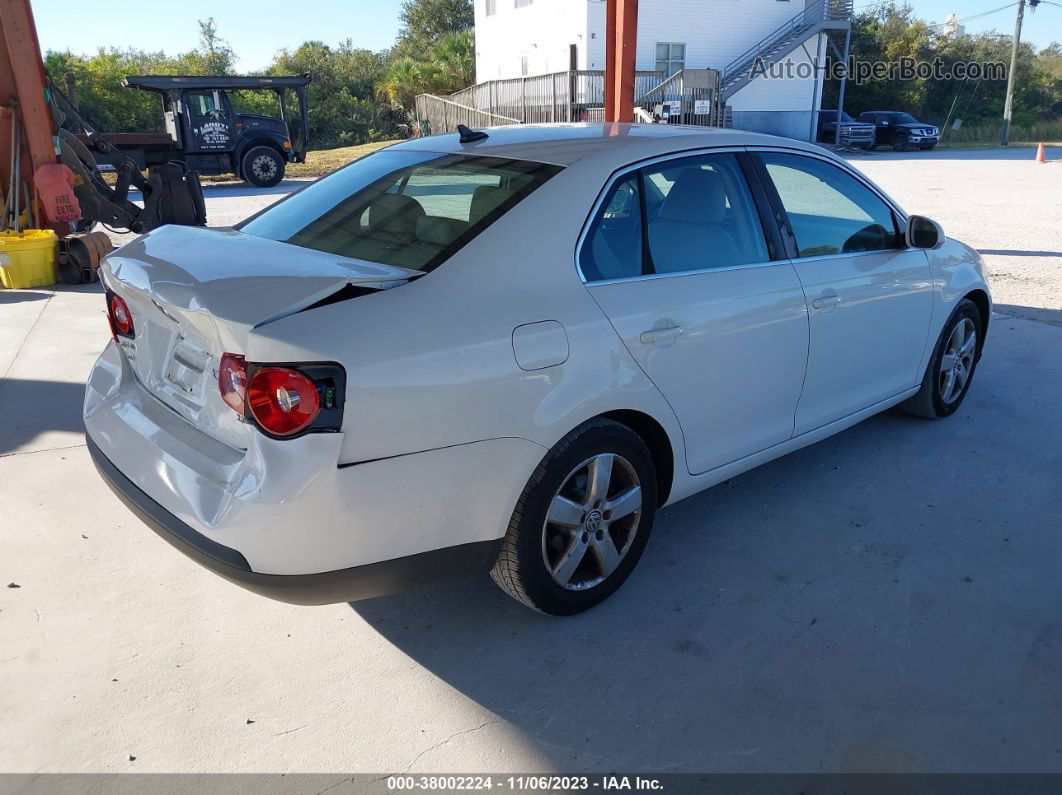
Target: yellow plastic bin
27, 258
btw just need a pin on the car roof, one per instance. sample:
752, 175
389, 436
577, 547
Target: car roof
564, 144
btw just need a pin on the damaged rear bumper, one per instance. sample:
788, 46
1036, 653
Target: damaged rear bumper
343, 585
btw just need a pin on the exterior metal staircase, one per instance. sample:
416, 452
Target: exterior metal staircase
817, 16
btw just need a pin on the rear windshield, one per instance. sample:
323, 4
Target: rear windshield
404, 208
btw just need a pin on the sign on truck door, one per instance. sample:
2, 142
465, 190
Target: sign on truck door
210, 121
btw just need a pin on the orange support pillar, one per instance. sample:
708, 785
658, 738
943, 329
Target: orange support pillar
621, 36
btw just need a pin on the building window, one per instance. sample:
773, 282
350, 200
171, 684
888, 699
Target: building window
670, 57
523, 65
490, 7
521, 3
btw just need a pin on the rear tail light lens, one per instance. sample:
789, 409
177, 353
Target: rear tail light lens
119, 316
232, 381
282, 401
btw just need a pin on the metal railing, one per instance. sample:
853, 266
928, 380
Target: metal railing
571, 96
574, 95
815, 12
690, 96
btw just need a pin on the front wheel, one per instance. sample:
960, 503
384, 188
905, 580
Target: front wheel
951, 368
899, 142
263, 166
582, 522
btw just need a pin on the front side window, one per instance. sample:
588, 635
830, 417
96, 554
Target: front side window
670, 57
404, 208
686, 214
830, 211
201, 104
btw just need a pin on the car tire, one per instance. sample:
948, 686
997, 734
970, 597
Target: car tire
940, 396
899, 142
262, 166
564, 552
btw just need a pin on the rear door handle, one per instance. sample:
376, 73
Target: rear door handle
826, 301
662, 334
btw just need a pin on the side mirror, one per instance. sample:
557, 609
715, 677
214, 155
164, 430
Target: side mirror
923, 232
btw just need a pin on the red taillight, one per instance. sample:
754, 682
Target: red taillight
121, 319
283, 401
232, 380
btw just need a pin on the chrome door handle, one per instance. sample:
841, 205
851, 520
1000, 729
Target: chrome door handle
825, 301
662, 334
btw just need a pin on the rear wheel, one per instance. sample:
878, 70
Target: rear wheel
582, 522
262, 166
951, 369
899, 142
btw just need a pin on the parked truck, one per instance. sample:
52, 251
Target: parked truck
206, 133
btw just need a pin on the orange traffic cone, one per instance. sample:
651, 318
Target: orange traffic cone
1040, 156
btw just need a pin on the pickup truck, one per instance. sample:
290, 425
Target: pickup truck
900, 130
853, 133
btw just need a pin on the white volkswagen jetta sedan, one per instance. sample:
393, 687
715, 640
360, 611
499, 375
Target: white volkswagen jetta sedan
505, 354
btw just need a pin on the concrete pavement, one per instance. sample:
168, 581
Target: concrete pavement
886, 600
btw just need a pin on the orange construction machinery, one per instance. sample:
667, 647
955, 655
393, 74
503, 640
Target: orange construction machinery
51, 190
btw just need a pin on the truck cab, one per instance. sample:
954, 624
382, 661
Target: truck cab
206, 133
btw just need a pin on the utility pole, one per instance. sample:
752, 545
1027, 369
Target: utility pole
1007, 107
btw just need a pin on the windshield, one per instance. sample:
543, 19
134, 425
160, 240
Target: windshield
904, 118
831, 115
404, 208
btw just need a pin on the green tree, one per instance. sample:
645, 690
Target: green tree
425, 22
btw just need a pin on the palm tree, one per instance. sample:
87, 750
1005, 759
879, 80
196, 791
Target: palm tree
402, 80
453, 59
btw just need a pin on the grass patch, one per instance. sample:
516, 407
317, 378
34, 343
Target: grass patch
322, 162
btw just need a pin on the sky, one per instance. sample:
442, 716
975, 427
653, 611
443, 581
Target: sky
256, 29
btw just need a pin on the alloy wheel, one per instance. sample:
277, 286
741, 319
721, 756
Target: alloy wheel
956, 364
592, 522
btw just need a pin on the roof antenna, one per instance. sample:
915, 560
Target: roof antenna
469, 136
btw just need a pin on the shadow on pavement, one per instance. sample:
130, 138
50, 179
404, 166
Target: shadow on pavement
18, 296
1009, 252
29, 408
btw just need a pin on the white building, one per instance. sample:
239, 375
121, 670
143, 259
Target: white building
517, 38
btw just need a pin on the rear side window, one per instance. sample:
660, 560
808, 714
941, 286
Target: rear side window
830, 211
684, 214
701, 215
613, 246
408, 209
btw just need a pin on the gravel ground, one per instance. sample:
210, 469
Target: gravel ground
887, 600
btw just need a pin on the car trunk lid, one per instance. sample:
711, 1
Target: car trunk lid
195, 294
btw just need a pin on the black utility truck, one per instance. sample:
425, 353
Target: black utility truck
204, 131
